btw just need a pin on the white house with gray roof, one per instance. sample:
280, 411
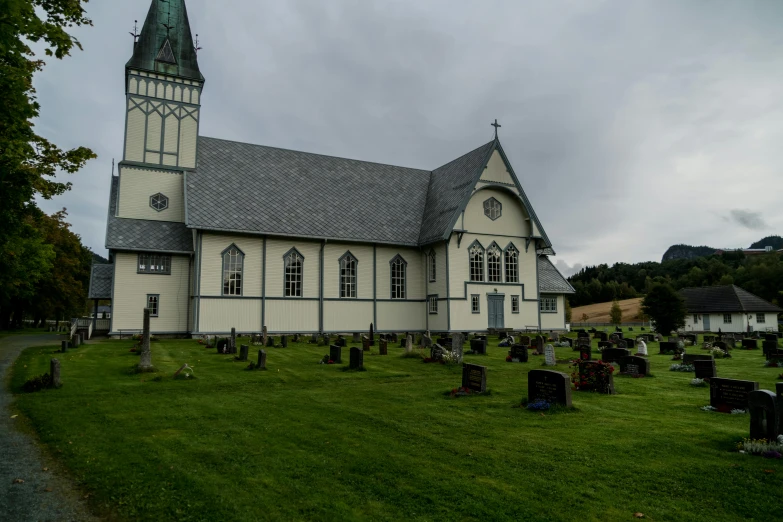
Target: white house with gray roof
202, 230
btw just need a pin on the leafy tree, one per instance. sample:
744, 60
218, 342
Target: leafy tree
568, 311
584, 318
665, 307
616, 313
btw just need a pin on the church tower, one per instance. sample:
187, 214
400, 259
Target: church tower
163, 88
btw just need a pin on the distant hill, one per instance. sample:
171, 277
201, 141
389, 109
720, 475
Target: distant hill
600, 312
776, 242
99, 260
687, 252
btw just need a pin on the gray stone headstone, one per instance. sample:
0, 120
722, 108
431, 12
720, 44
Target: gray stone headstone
409, 344
633, 365
54, 372
705, 368
365, 343
641, 348
357, 337
539, 344
383, 347
549, 352
261, 360
729, 394
233, 342
426, 341
145, 362
76, 340
456, 345
243, 352
314, 339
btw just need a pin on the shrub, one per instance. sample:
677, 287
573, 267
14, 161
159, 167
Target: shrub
38, 383
699, 383
681, 368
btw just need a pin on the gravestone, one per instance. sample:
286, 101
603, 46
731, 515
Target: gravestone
722, 345
614, 338
730, 394
222, 346
633, 365
336, 354
611, 355
709, 338
629, 343
145, 363
426, 341
691, 337
549, 353
673, 339
296, 338
555, 336
478, 346
357, 359
604, 344
550, 386
394, 338
243, 351
261, 360
705, 368
689, 358
750, 344
667, 346
641, 348
764, 415
313, 339
340, 341
270, 342
233, 343
64, 346
457, 340
568, 340
365, 344
603, 383
357, 338
585, 353
436, 352
372, 335
264, 335
524, 340
284, 341
602, 336
518, 353
409, 343
769, 347
474, 377
539, 345
771, 337
383, 347
54, 373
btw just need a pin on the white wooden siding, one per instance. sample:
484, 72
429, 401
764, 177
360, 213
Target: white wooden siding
347, 316
212, 246
136, 187
292, 315
131, 289
401, 316
496, 170
363, 254
414, 273
220, 315
554, 321
513, 220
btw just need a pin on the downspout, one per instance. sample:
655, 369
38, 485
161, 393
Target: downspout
448, 288
263, 285
538, 292
321, 293
374, 288
191, 267
426, 291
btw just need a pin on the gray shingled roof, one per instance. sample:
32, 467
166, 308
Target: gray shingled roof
101, 279
550, 280
724, 299
448, 188
265, 190
141, 234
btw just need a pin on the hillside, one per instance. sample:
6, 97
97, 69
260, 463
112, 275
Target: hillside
686, 252
599, 312
776, 242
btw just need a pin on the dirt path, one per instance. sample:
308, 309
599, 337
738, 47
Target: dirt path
44, 495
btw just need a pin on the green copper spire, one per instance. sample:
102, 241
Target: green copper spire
165, 44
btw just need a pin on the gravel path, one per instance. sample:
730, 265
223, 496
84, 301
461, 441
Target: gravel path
44, 495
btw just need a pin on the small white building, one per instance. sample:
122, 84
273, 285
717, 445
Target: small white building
728, 309
212, 234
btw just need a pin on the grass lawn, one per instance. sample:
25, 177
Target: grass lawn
304, 441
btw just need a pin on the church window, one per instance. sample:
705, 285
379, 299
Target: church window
294, 266
476, 253
153, 301
512, 264
154, 264
233, 259
548, 304
159, 202
514, 304
494, 272
348, 275
433, 302
761, 318
431, 265
492, 208
474, 303
166, 54
398, 268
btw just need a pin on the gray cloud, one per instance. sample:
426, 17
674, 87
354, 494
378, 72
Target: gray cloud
566, 269
748, 219
623, 120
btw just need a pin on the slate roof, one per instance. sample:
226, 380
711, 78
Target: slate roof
550, 280
724, 299
101, 278
142, 234
266, 190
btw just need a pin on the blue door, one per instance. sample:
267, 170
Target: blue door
495, 311
706, 319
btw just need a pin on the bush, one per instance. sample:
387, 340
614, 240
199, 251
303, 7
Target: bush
38, 383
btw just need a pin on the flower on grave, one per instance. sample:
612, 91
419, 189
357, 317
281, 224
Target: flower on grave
508, 358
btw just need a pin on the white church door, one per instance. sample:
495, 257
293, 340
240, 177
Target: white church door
495, 305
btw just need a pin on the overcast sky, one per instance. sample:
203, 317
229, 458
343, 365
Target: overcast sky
632, 125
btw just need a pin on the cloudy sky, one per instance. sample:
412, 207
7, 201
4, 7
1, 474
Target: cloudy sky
633, 125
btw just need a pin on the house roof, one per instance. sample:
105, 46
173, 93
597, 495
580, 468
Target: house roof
724, 299
101, 278
550, 280
165, 44
142, 234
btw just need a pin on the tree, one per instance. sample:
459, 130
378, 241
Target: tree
584, 318
665, 307
567, 311
616, 313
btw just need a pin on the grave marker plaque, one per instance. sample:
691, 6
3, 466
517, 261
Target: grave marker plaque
383, 347
474, 377
357, 358
764, 415
550, 386
633, 365
518, 353
585, 353
611, 355
730, 394
705, 368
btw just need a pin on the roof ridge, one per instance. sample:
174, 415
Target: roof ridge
314, 154
464, 155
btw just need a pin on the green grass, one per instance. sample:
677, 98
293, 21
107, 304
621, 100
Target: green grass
308, 441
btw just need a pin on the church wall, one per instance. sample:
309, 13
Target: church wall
220, 315
212, 247
275, 266
401, 316
496, 170
438, 287
292, 315
463, 318
136, 187
513, 220
556, 320
131, 289
414, 272
364, 269
347, 316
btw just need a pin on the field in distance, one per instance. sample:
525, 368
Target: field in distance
599, 312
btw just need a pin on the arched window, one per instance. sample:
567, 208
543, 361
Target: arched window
512, 264
294, 265
347, 275
494, 271
398, 268
476, 253
431, 266
233, 258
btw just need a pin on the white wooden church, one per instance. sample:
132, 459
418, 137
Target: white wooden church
204, 233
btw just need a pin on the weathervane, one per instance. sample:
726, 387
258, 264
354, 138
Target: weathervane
196, 47
135, 33
497, 126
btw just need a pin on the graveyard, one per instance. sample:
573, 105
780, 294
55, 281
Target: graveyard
305, 440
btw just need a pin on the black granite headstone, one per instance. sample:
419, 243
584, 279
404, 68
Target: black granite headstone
474, 377
750, 344
633, 365
705, 368
730, 394
585, 353
764, 415
478, 346
336, 354
550, 386
611, 355
357, 358
383, 347
518, 352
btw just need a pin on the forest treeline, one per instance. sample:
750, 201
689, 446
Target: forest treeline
761, 274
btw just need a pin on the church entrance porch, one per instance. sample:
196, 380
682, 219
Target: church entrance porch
495, 310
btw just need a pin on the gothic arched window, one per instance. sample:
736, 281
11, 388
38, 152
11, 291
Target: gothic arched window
347, 275
294, 268
494, 271
398, 268
476, 254
233, 259
512, 264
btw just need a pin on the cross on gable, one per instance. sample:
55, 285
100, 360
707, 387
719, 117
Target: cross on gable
497, 126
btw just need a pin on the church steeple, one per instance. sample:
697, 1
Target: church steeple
165, 44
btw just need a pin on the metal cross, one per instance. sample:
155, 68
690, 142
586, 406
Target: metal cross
497, 126
196, 47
